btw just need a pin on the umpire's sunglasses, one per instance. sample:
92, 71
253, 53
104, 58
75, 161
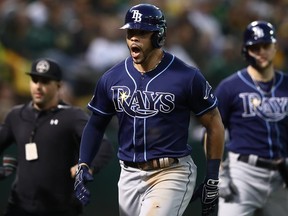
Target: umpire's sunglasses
38, 79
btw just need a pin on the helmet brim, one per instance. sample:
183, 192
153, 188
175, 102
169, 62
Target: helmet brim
141, 26
250, 43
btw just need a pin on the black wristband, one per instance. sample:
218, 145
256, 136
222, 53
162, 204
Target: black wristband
213, 168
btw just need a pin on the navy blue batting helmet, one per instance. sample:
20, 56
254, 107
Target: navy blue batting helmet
149, 18
259, 32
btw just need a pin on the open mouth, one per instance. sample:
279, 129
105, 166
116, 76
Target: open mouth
135, 51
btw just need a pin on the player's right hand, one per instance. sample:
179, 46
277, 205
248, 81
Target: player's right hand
208, 192
82, 177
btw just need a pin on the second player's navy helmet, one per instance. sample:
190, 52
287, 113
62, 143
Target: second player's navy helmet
259, 32
149, 18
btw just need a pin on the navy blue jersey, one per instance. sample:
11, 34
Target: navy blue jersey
148, 104
256, 119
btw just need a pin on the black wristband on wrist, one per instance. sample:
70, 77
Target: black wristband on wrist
213, 168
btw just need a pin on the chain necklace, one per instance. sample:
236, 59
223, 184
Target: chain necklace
264, 87
143, 72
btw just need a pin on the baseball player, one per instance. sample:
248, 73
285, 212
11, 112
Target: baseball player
153, 93
253, 103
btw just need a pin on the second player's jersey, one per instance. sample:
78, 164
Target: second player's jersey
256, 119
153, 108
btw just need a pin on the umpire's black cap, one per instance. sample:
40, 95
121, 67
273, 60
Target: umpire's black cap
46, 68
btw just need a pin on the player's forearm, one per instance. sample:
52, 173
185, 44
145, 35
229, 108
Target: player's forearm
89, 147
214, 136
91, 139
215, 142
214, 154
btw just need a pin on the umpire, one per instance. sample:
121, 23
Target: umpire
47, 133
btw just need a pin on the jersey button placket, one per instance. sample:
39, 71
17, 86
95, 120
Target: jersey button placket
139, 140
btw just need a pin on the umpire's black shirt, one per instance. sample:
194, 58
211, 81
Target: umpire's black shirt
44, 184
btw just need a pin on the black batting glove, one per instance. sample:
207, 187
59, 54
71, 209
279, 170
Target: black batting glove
208, 192
82, 177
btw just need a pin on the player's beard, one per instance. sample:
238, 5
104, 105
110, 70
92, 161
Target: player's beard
262, 67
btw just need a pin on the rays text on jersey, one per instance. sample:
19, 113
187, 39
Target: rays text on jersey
270, 109
142, 104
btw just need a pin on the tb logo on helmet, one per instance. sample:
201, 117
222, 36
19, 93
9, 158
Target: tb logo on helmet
258, 32
136, 16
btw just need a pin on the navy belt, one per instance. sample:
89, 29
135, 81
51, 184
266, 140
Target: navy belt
154, 164
259, 162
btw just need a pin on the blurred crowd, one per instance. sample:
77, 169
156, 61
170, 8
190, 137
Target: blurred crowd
84, 37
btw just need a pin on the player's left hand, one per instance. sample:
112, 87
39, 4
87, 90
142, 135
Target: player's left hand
82, 177
208, 192
73, 171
